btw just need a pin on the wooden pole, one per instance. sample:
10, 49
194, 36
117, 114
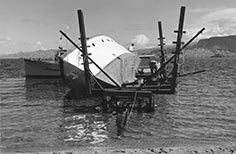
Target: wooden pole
193, 38
85, 53
178, 49
161, 39
162, 67
162, 57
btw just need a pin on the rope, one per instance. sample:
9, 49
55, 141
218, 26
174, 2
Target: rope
135, 97
181, 66
196, 58
100, 86
181, 58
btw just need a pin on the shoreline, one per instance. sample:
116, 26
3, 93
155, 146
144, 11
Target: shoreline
229, 148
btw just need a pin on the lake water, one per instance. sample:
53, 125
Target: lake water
34, 116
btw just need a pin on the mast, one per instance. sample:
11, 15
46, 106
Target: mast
85, 53
178, 49
162, 50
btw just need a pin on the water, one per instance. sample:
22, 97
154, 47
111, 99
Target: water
34, 116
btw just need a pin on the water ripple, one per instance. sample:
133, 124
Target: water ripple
34, 114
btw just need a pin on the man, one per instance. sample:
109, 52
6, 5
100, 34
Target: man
154, 66
121, 117
131, 47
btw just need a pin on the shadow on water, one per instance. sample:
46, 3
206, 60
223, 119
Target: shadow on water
35, 115
40, 89
77, 126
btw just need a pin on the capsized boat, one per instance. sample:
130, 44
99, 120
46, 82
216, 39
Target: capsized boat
43, 68
119, 63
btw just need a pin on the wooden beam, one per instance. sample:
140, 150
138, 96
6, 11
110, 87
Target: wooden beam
130, 93
178, 49
163, 59
85, 53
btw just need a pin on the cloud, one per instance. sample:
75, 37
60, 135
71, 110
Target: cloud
26, 20
5, 40
65, 26
39, 46
199, 10
38, 43
140, 40
9, 46
217, 23
34, 22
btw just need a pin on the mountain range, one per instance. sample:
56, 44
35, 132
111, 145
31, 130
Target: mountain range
224, 43
224, 46
215, 46
44, 54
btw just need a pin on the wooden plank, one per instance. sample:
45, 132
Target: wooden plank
127, 92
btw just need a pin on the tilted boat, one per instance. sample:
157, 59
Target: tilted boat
119, 63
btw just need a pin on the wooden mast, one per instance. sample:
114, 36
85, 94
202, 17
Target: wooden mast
162, 50
178, 49
85, 53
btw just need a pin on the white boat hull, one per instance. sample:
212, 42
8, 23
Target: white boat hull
114, 59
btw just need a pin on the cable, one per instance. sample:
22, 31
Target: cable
135, 97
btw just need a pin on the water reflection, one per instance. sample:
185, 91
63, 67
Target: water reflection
76, 126
85, 128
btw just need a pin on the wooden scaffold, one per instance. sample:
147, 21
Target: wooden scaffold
135, 95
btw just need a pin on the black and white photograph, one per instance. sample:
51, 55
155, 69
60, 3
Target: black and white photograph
118, 76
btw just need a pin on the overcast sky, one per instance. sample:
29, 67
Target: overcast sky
28, 25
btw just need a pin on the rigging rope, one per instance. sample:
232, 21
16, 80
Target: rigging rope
196, 58
181, 56
135, 97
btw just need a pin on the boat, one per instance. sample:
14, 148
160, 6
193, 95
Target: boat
114, 59
43, 68
115, 70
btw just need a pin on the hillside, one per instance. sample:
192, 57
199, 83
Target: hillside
213, 47
45, 54
224, 43
155, 50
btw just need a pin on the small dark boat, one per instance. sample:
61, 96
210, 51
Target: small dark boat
43, 68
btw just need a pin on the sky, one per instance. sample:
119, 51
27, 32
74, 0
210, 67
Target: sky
29, 25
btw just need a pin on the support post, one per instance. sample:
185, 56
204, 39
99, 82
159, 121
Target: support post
178, 49
170, 59
85, 53
162, 50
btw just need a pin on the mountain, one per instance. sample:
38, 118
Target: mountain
214, 47
45, 54
224, 46
220, 43
155, 50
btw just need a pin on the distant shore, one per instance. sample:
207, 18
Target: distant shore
192, 149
